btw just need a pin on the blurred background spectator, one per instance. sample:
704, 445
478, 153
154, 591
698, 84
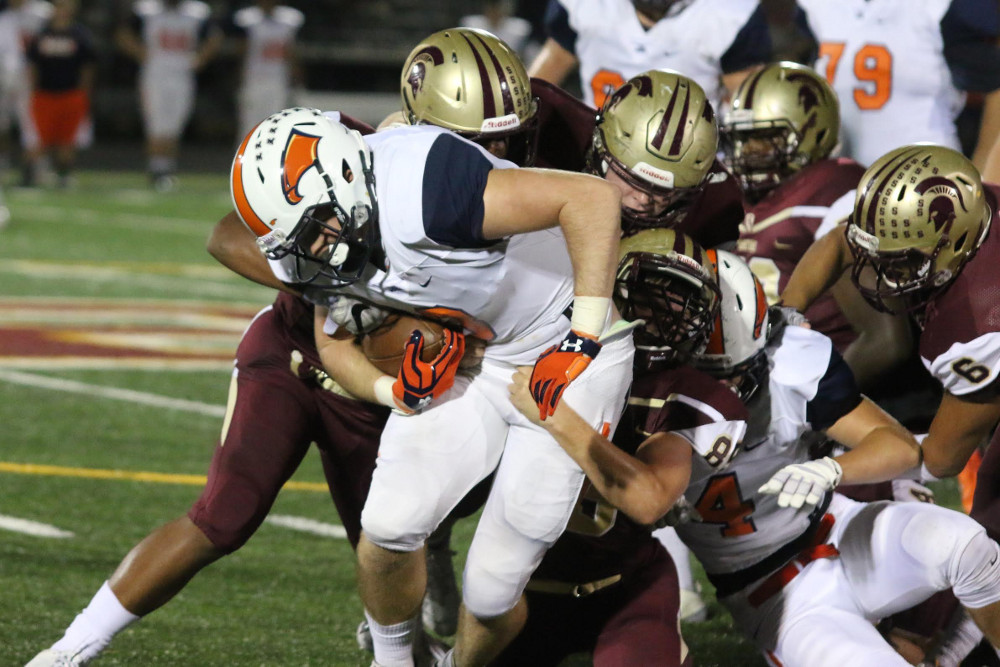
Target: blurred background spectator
266, 36
348, 57
61, 75
498, 18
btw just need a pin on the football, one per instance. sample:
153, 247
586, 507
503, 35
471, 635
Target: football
384, 345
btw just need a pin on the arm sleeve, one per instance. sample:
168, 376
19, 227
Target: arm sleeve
836, 394
970, 29
752, 45
557, 26
454, 182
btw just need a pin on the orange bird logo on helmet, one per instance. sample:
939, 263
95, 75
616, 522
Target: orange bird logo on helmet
298, 157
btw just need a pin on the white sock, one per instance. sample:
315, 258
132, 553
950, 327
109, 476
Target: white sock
161, 164
680, 554
394, 643
94, 627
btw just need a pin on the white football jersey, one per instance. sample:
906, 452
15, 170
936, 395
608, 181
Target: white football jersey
612, 46
739, 527
18, 26
171, 35
511, 293
885, 59
269, 38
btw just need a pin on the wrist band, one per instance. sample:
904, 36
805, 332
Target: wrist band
383, 391
590, 313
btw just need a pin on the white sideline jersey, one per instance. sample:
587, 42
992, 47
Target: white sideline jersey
885, 59
171, 35
808, 382
511, 292
269, 39
612, 46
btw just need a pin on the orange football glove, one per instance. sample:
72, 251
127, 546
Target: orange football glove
419, 382
557, 367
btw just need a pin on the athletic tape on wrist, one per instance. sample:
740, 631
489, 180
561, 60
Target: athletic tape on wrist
590, 314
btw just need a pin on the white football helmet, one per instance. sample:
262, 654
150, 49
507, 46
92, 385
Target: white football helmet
303, 183
735, 350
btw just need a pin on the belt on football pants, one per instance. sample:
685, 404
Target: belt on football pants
817, 549
729, 583
566, 588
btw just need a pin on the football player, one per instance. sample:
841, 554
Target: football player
171, 40
931, 253
803, 570
607, 586
900, 69
280, 402
267, 33
715, 42
777, 140
419, 220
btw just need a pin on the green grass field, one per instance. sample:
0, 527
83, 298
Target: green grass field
108, 287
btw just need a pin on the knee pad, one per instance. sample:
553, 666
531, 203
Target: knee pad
977, 580
392, 526
488, 592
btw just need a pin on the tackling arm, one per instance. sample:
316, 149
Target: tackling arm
553, 63
884, 340
235, 247
959, 426
880, 448
820, 267
644, 486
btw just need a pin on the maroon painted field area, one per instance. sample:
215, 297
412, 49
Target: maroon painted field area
94, 333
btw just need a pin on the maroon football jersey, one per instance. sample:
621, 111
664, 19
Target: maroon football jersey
779, 229
960, 341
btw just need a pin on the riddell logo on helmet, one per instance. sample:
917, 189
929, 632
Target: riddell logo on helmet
501, 123
654, 175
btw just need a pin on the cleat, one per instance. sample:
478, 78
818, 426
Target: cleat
439, 611
693, 609
50, 658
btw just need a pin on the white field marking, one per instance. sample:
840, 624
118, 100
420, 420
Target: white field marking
241, 289
33, 528
305, 525
137, 197
140, 397
70, 362
134, 221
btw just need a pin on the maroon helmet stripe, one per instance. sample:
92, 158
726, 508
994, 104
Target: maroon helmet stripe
675, 148
437, 57
751, 90
489, 104
508, 99
661, 131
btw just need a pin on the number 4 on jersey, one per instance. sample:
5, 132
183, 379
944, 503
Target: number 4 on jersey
722, 503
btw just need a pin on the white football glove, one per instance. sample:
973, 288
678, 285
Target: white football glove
803, 483
356, 316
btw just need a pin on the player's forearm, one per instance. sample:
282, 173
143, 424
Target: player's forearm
626, 482
885, 453
233, 245
344, 361
552, 63
820, 267
591, 224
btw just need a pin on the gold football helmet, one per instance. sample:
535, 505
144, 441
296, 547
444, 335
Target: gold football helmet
665, 278
471, 82
783, 118
657, 132
920, 214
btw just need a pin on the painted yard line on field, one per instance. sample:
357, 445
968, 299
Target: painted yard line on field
111, 363
141, 397
129, 475
33, 528
134, 221
237, 289
305, 525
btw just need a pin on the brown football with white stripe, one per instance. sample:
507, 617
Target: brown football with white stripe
384, 345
